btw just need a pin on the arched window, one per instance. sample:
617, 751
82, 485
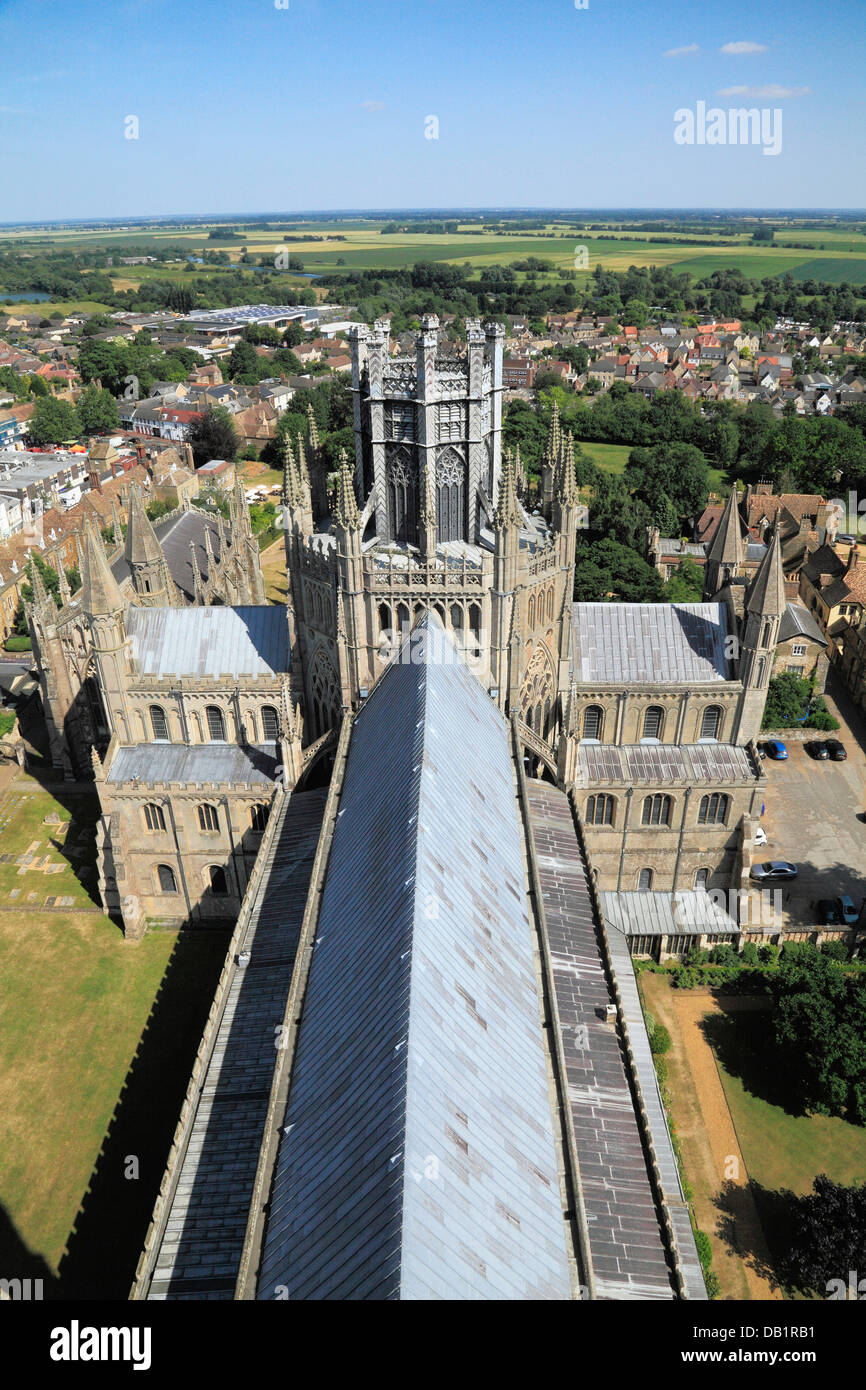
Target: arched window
270, 724
216, 724
711, 722
158, 722
208, 818
259, 818
592, 719
154, 818
457, 617
645, 880
450, 501
702, 878
532, 610
550, 604
656, 810
403, 618
402, 482
218, 883
653, 723
384, 618
167, 880
475, 618
599, 810
713, 809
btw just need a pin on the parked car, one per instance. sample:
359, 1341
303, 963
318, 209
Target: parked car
776, 749
760, 836
774, 871
828, 912
836, 750
817, 748
837, 912
849, 912
846, 540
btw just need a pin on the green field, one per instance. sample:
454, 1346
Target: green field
612, 458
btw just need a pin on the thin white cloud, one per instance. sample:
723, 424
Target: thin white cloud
771, 90
373, 105
681, 52
744, 46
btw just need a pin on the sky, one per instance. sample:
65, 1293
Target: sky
289, 105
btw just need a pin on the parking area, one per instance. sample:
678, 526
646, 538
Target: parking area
815, 817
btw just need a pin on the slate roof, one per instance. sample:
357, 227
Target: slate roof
175, 537
797, 621
661, 643
209, 641
658, 763
196, 763
417, 1156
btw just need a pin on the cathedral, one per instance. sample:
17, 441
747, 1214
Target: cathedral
189, 700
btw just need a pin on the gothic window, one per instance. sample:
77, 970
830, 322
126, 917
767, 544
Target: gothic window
475, 619
450, 496
456, 616
766, 635
645, 880
270, 724
216, 724
167, 880
158, 722
653, 722
403, 618
711, 722
592, 720
762, 666
259, 818
701, 878
95, 707
599, 810
208, 818
532, 610
656, 810
536, 692
713, 809
550, 604
326, 693
402, 479
451, 417
384, 618
218, 882
154, 818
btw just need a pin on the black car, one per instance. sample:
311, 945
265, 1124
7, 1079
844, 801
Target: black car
817, 748
836, 750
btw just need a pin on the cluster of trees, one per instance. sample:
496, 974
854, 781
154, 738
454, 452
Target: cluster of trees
819, 1029
788, 699
132, 368
55, 421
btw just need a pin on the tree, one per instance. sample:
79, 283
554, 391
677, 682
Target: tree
213, 436
605, 569
787, 701
827, 1236
38, 386
97, 410
819, 1031
53, 422
686, 584
294, 334
673, 480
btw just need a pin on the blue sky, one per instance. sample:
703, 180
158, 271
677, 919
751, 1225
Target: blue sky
246, 107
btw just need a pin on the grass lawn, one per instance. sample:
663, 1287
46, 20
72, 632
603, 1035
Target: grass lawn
93, 1028
610, 458
274, 572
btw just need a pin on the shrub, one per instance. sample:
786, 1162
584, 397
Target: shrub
711, 1283
661, 1070
724, 955
750, 953
698, 955
769, 955
705, 1249
7, 721
650, 1022
836, 950
660, 1040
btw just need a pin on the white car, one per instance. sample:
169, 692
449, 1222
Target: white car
760, 836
